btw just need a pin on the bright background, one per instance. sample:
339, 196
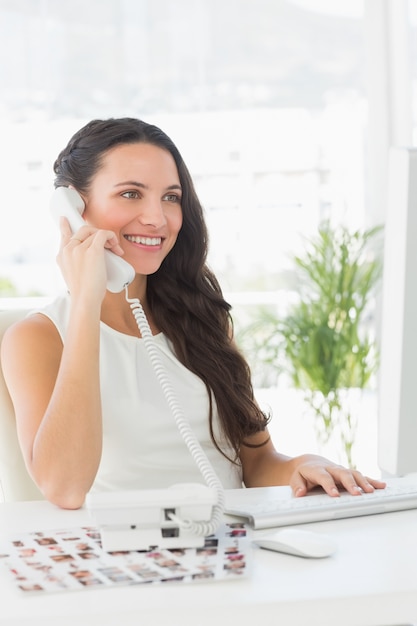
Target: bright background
284, 111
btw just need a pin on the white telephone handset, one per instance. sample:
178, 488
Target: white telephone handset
68, 203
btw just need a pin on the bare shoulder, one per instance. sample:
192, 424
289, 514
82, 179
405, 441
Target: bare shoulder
33, 335
31, 352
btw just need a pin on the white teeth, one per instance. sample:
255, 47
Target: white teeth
146, 241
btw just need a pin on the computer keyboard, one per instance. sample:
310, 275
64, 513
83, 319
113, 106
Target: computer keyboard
270, 507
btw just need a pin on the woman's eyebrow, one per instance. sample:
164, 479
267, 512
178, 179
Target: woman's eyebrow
135, 183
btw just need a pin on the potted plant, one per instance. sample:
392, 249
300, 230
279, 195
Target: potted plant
324, 342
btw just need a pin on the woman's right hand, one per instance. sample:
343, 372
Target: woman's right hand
82, 261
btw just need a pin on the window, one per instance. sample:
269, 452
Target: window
266, 101
282, 110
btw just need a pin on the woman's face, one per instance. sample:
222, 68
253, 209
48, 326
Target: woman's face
137, 194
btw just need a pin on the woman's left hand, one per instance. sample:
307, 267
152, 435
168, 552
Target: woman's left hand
312, 470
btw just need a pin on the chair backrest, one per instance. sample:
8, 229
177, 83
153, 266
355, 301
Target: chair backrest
15, 481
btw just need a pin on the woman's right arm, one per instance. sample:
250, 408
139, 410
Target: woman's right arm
56, 396
55, 388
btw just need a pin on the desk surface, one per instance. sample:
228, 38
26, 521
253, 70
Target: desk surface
370, 581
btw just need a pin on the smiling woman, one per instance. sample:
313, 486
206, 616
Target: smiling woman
89, 408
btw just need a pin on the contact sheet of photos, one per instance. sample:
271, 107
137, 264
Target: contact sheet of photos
72, 559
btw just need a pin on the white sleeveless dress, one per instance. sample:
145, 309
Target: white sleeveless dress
142, 447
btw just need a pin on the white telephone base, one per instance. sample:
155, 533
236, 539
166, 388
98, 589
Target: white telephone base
139, 520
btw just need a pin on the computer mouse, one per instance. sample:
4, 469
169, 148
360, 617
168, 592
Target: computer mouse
298, 541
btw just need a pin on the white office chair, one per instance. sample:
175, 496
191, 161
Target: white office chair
15, 482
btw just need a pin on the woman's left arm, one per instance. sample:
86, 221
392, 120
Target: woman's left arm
264, 467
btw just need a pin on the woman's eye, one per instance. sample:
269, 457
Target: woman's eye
131, 195
172, 197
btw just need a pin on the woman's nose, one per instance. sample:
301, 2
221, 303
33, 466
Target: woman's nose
152, 214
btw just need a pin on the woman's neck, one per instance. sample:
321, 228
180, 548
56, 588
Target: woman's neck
116, 311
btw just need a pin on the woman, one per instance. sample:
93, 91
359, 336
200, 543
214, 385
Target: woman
90, 411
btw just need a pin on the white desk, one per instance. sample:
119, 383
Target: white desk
370, 581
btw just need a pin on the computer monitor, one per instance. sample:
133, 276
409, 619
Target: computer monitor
397, 383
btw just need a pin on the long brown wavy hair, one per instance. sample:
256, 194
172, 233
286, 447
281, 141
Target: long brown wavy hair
184, 295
